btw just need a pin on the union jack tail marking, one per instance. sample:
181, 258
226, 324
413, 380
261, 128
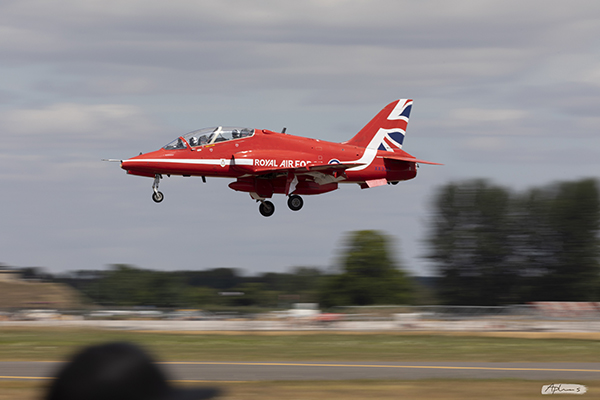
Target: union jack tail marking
387, 130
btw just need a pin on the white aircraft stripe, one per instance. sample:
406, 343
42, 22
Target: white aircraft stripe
396, 113
366, 159
220, 161
371, 150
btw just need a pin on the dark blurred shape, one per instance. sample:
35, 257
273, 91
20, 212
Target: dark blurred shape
492, 246
118, 371
469, 244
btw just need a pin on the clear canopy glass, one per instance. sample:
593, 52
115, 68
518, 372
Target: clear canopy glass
204, 136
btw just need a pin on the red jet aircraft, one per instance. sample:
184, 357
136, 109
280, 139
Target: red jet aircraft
264, 162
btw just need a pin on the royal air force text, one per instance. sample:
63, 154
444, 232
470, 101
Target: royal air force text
260, 162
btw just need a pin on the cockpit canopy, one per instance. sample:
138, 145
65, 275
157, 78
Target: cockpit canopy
204, 136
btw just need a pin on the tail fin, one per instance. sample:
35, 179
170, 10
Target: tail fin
386, 131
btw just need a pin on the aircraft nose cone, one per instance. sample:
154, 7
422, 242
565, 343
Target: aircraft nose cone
129, 163
139, 165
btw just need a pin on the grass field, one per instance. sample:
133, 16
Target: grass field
440, 389
57, 344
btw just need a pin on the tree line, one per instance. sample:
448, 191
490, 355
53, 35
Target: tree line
125, 286
491, 245
368, 274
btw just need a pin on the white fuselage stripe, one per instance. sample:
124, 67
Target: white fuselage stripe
371, 150
366, 159
200, 161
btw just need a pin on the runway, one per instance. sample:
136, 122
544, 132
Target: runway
309, 371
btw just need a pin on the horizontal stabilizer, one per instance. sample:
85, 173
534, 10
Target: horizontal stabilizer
399, 157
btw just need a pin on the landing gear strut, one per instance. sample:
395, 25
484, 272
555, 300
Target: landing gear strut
295, 202
157, 196
266, 208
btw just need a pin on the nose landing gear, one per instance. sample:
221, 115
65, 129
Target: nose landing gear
157, 196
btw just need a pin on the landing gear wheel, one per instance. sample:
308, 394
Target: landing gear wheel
157, 197
266, 208
295, 202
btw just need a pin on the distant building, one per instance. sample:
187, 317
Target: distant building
9, 274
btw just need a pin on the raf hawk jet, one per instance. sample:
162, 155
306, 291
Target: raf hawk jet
264, 163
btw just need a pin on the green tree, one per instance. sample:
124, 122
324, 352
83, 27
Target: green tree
560, 241
125, 285
218, 278
369, 274
200, 296
491, 246
469, 244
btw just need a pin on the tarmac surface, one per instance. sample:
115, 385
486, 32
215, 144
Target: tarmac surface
311, 371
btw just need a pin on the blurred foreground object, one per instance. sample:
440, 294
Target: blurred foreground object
118, 371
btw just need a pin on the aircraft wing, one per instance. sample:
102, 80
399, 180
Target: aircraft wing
408, 158
328, 169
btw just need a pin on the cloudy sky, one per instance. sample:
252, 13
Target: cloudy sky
504, 90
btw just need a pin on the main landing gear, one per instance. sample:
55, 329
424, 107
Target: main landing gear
157, 196
266, 208
295, 202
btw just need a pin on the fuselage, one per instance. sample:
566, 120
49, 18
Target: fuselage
267, 152
264, 163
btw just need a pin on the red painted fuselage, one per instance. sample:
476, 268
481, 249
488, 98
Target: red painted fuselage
264, 162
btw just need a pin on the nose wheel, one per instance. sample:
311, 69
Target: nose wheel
295, 202
266, 208
157, 196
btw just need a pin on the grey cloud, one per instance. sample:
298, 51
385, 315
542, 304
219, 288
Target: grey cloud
71, 126
561, 98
